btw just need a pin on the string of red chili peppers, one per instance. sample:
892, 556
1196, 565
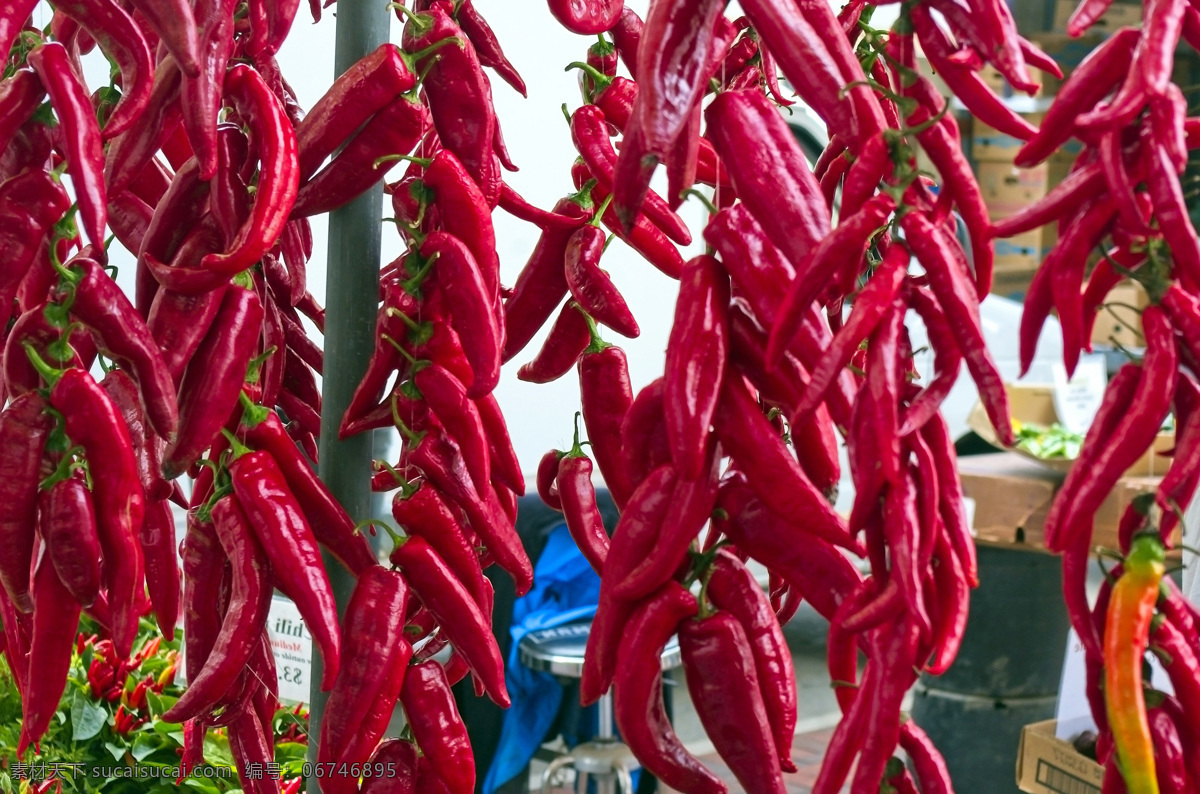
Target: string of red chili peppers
212, 346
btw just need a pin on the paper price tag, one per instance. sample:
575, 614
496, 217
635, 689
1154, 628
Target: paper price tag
291, 645
1077, 400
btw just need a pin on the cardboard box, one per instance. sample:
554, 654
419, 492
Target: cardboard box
1046, 765
1118, 15
988, 144
1007, 190
1120, 322
1022, 253
1013, 495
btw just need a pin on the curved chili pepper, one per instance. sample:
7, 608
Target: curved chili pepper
1135, 410
956, 294
122, 333
13, 20
578, 498
465, 214
210, 386
437, 726
546, 479
637, 694
120, 39
279, 178
399, 758
395, 129
448, 401
773, 473
606, 394
30, 203
252, 749
641, 516
586, 17
129, 153
724, 685
67, 522
516, 206
592, 287
458, 614
332, 526
565, 343
626, 32
202, 95
732, 587
644, 432
457, 275
85, 158
93, 422
179, 323
24, 426
55, 621
1126, 634
281, 527
487, 46
160, 551
245, 617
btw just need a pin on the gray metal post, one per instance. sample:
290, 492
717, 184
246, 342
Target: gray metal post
352, 283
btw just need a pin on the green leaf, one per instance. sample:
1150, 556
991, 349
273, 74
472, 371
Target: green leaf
87, 718
144, 745
216, 750
117, 751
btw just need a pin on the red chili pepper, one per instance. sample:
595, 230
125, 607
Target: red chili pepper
724, 685
93, 422
512, 203
252, 748
459, 95
399, 759
210, 386
425, 514
732, 587
55, 621
573, 483
457, 275
121, 40
773, 473
586, 17
17, 630
589, 132
696, 353
458, 614
30, 203
375, 663
85, 158
437, 727
644, 432
439, 459
606, 394
67, 523
637, 695
626, 32
592, 287
245, 616
12, 21
201, 96
129, 153
568, 338
24, 426
281, 527
542, 283
395, 129
956, 295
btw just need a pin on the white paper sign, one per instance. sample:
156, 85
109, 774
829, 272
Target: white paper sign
292, 646
1073, 713
1077, 400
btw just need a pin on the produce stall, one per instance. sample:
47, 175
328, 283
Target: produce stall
168, 360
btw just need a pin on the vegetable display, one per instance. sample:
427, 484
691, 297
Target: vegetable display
788, 343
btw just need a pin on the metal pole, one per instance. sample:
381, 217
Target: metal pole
352, 284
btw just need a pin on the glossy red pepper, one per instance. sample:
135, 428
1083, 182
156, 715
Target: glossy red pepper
93, 422
30, 203
210, 386
424, 513
285, 535
437, 727
245, 616
67, 522
85, 158
577, 495
724, 685
24, 426
457, 613
606, 394
55, 621
592, 287
567, 339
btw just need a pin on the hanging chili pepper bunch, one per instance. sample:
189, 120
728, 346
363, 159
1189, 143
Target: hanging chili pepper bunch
1123, 199
760, 356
